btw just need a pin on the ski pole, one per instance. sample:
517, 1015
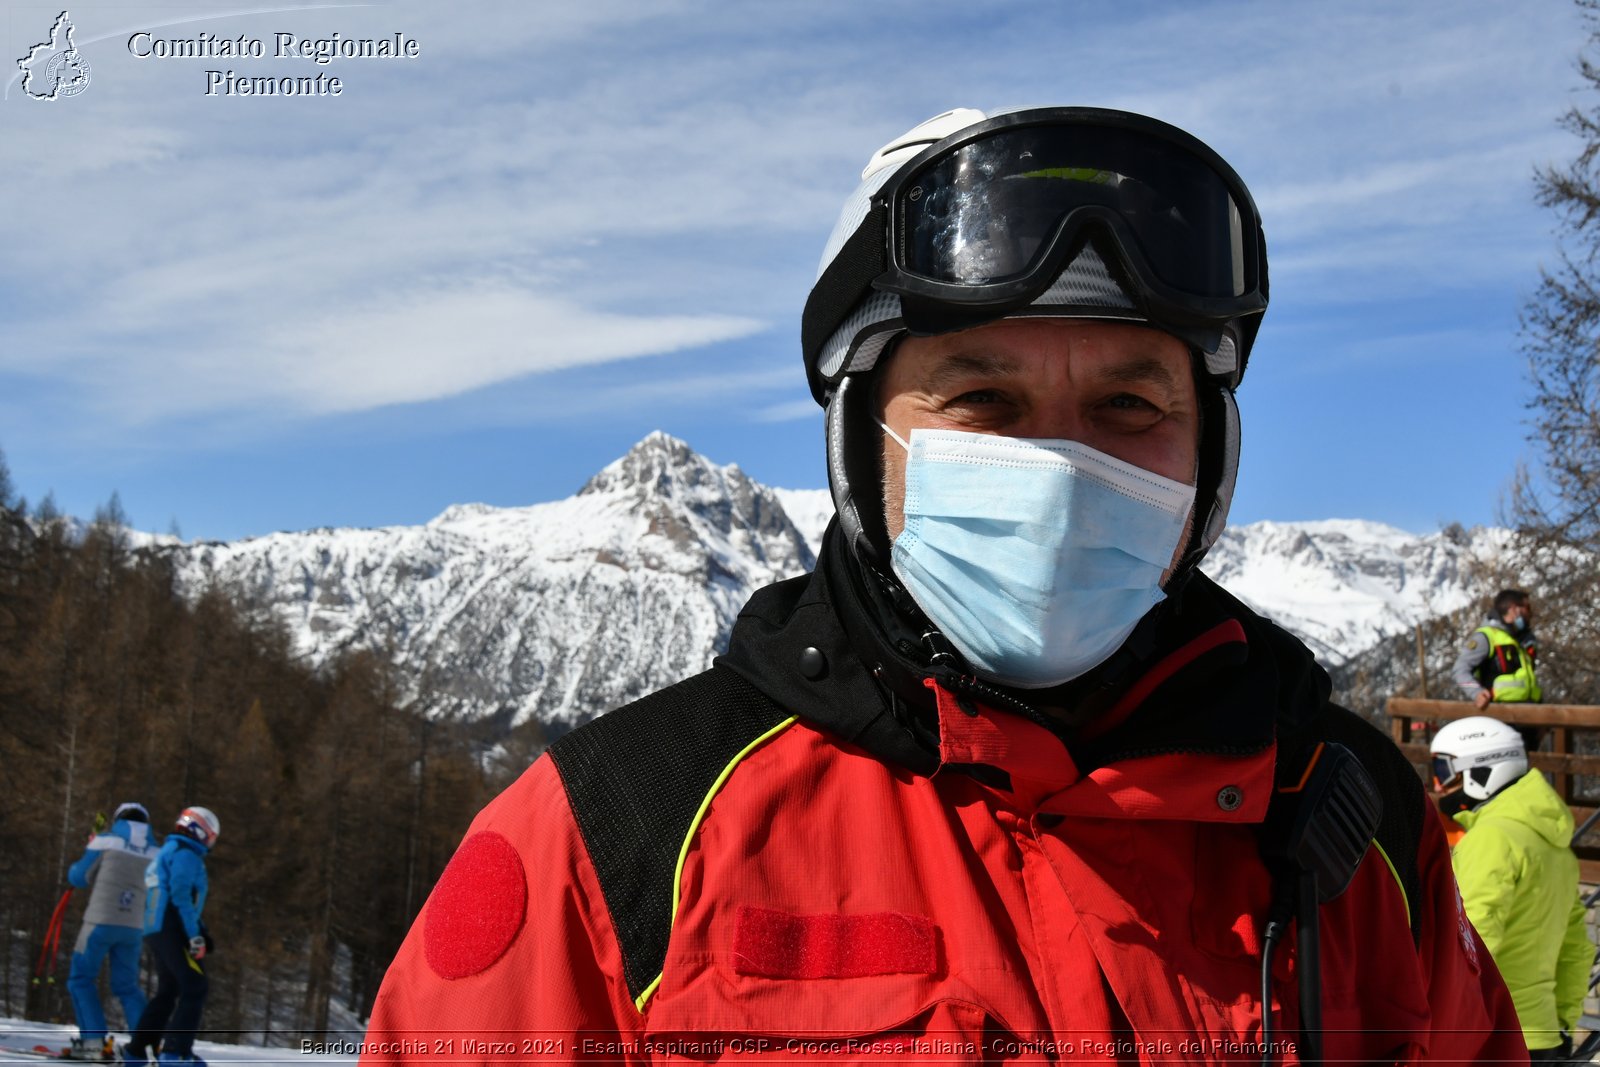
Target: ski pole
53, 933
52, 939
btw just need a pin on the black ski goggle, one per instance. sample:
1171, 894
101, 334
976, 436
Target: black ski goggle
981, 224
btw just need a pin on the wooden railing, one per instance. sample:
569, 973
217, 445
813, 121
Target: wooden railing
1562, 722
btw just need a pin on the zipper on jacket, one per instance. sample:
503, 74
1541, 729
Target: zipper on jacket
960, 684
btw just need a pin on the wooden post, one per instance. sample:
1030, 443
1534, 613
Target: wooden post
1564, 782
1422, 665
1400, 728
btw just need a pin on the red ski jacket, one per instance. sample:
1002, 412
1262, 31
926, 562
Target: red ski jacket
744, 866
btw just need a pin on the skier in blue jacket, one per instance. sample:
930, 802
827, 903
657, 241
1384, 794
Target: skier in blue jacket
112, 869
175, 896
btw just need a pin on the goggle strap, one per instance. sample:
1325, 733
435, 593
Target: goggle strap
861, 260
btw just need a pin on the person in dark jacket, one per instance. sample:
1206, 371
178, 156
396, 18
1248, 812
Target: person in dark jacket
175, 899
112, 869
1006, 777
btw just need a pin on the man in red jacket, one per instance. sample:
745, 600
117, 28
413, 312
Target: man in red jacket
1006, 777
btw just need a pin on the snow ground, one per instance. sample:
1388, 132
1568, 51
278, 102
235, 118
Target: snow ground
20, 1033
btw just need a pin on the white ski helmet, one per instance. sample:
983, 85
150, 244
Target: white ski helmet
1117, 216
1484, 753
131, 810
200, 824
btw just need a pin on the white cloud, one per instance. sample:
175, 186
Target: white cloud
630, 180
427, 346
788, 411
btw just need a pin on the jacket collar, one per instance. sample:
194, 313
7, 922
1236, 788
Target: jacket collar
1214, 678
791, 642
188, 842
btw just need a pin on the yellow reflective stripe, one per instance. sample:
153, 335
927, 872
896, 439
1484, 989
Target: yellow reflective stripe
649, 991
694, 825
1387, 862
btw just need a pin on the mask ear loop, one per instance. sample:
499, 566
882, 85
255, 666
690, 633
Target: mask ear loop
901, 441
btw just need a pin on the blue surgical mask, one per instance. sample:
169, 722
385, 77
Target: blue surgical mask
1521, 622
1036, 558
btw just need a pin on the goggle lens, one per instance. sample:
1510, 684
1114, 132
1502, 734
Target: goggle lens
985, 211
1443, 769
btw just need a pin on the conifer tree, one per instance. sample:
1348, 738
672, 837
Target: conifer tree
340, 807
7, 490
46, 512
1555, 506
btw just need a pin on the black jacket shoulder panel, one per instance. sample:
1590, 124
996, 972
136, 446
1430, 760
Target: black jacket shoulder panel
635, 778
1307, 716
1400, 826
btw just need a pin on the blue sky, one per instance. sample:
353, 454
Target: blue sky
482, 273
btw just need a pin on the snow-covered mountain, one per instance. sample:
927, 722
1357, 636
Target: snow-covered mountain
810, 510
556, 611
1341, 584
561, 611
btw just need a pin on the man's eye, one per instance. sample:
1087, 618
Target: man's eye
1131, 413
978, 396
1129, 402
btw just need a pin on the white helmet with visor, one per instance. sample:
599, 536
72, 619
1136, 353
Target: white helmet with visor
1480, 754
200, 824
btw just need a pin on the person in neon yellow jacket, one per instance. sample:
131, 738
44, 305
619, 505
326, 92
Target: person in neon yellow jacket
1497, 664
1518, 877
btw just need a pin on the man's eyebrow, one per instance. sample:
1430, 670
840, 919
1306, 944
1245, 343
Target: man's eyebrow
964, 364
959, 365
1140, 371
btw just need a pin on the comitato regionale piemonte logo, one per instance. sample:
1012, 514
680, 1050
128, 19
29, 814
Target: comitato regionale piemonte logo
55, 69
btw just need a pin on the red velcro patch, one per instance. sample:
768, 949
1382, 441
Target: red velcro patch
775, 944
477, 907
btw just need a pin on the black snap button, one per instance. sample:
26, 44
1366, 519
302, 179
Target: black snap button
813, 664
1229, 797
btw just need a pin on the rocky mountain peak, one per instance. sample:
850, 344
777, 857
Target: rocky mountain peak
660, 465
669, 481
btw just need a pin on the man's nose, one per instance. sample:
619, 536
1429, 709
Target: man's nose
1058, 420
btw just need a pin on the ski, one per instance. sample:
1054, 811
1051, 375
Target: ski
37, 1052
